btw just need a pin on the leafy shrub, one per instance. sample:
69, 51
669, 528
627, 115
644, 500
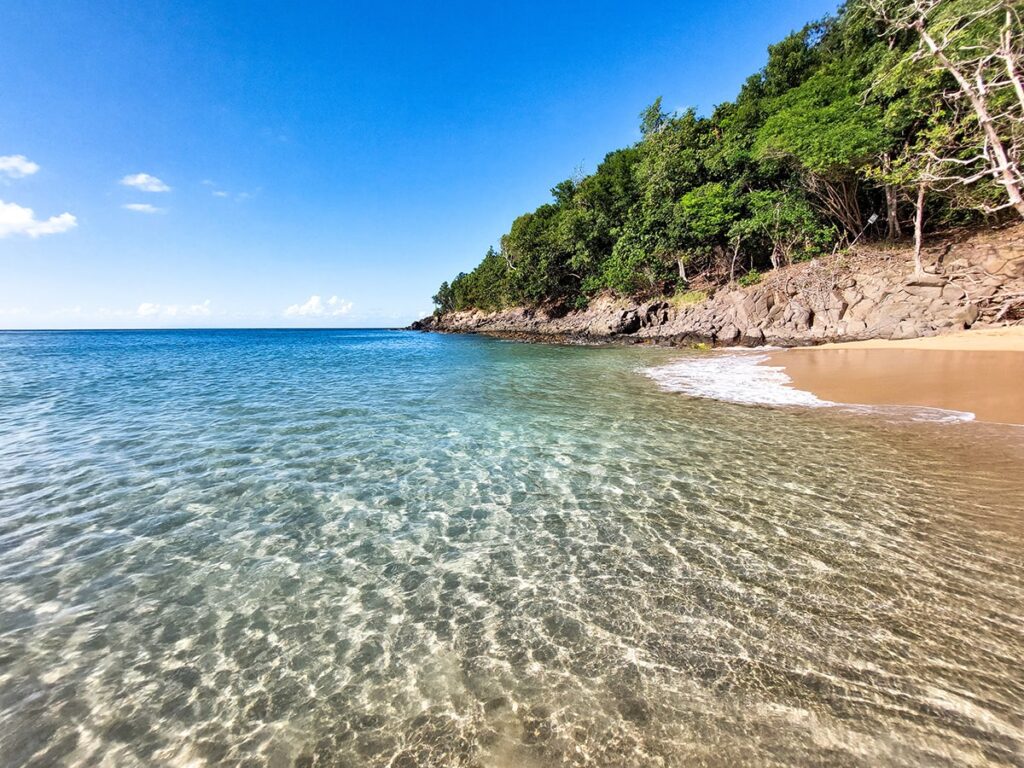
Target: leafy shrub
753, 277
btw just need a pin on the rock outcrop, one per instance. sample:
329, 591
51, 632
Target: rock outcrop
864, 294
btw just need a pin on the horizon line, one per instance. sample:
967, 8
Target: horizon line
210, 328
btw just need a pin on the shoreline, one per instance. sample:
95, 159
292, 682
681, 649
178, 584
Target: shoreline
972, 279
979, 372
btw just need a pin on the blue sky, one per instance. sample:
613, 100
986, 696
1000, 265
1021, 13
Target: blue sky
317, 164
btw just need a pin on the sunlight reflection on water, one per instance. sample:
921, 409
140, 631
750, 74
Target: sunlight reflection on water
374, 548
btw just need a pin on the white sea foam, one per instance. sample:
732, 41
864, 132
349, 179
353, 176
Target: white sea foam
735, 377
741, 377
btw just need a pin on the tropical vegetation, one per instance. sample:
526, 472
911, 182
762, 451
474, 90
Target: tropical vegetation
886, 120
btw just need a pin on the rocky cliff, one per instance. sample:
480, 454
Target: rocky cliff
861, 294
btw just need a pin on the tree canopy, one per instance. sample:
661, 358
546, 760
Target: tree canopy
850, 116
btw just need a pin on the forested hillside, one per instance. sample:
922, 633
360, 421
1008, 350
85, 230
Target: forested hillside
887, 120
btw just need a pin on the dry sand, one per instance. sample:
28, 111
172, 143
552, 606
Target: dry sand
998, 339
979, 371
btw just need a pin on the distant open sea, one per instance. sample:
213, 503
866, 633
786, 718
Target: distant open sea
375, 548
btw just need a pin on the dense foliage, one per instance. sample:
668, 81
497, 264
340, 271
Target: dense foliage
849, 118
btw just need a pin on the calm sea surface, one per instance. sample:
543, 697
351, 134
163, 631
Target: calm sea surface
371, 548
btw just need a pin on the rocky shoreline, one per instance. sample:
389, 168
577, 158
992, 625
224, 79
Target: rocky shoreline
868, 293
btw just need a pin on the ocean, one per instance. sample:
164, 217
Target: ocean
381, 548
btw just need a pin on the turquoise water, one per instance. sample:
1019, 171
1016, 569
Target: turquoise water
371, 548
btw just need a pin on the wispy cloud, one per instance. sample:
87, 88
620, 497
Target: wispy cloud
214, 188
217, 191
18, 220
151, 310
17, 166
145, 182
142, 208
317, 307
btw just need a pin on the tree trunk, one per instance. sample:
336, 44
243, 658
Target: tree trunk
837, 199
853, 206
719, 259
894, 232
919, 227
1002, 168
891, 204
681, 263
735, 255
1007, 55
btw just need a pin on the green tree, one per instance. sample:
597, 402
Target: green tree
824, 128
444, 299
538, 262
787, 223
703, 222
864, 111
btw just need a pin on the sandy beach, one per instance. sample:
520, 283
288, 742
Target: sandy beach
979, 371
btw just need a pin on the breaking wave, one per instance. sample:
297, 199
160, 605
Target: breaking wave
742, 377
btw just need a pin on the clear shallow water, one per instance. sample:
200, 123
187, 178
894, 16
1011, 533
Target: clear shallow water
374, 548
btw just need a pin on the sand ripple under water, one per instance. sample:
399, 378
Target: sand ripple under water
384, 549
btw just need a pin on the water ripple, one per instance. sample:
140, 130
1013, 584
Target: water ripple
383, 549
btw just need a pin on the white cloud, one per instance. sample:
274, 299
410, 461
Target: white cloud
214, 188
17, 220
142, 208
197, 310
145, 182
317, 307
16, 166
338, 306
218, 191
150, 309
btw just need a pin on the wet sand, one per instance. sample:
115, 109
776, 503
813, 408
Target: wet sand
981, 372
